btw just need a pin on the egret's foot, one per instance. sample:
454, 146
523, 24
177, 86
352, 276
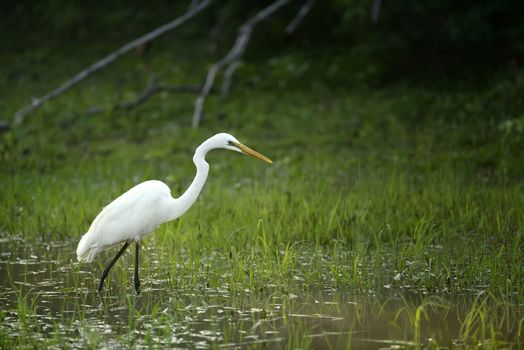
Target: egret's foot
137, 287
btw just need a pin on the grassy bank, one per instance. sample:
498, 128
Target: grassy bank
374, 192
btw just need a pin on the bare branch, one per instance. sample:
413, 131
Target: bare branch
151, 89
38, 102
193, 4
375, 10
4, 126
234, 54
228, 76
189, 89
244, 34
304, 10
265, 12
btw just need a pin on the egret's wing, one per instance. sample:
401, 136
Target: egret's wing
130, 216
109, 226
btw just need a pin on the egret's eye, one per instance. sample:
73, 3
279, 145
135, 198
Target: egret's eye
231, 143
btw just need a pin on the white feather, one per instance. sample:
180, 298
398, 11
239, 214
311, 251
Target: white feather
130, 217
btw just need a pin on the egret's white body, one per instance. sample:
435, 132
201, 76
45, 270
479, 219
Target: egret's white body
130, 217
140, 210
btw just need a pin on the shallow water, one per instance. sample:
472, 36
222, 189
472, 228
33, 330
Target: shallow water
45, 294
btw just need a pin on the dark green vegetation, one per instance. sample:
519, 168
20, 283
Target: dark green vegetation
392, 214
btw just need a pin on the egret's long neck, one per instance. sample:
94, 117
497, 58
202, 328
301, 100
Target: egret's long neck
186, 200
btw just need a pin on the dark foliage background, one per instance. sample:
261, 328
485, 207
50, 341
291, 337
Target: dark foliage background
411, 40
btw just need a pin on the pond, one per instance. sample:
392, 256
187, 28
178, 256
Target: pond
47, 296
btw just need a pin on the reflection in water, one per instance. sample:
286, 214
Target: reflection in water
46, 294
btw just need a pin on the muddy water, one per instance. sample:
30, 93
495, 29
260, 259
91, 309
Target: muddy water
47, 296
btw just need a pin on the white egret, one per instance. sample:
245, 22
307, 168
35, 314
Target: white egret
140, 210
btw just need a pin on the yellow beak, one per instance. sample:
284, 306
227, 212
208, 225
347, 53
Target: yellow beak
253, 153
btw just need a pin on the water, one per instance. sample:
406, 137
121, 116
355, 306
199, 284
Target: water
48, 296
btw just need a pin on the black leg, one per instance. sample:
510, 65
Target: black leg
137, 281
106, 271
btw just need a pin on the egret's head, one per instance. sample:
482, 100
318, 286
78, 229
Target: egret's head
229, 142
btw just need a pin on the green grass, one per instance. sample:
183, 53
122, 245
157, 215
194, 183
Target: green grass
373, 191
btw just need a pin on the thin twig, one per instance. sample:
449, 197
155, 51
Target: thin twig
38, 102
244, 34
304, 10
151, 89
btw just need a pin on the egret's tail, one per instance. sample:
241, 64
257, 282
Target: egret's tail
85, 250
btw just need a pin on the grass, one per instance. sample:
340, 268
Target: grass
379, 192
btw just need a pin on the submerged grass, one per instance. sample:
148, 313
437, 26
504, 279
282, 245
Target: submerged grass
385, 193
